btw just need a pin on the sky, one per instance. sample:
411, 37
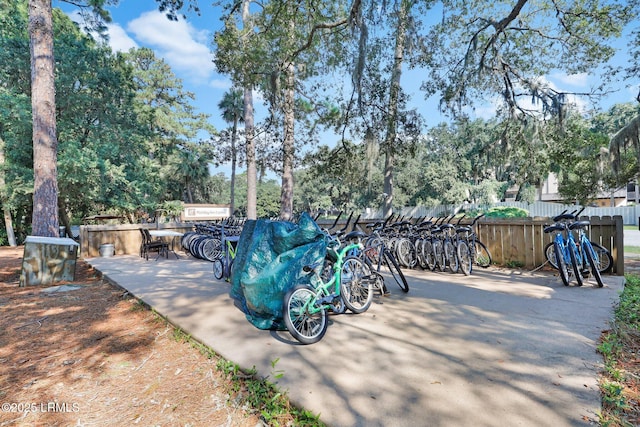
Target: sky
186, 46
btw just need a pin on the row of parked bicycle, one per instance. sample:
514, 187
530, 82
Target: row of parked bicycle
572, 253
351, 273
206, 240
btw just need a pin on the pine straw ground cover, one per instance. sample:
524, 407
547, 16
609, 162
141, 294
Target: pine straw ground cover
95, 357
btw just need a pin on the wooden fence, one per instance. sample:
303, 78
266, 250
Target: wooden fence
125, 238
518, 242
521, 241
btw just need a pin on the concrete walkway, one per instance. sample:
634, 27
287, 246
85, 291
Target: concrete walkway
498, 348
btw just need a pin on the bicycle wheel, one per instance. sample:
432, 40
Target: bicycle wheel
550, 254
604, 260
211, 249
422, 262
451, 256
356, 287
429, 255
592, 257
575, 266
218, 268
394, 268
482, 255
304, 326
406, 251
562, 265
464, 256
438, 251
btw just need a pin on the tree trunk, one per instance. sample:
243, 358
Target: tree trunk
252, 211
43, 104
8, 220
234, 156
394, 93
288, 146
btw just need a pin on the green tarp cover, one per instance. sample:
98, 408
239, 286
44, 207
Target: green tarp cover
269, 261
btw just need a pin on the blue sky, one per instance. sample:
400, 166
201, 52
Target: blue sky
186, 46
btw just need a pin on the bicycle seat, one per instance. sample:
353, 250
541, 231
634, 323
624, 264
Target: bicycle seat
579, 224
355, 235
463, 229
563, 217
553, 227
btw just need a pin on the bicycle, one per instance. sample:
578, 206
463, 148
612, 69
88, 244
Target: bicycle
587, 256
565, 251
378, 254
479, 252
223, 264
579, 253
604, 259
306, 306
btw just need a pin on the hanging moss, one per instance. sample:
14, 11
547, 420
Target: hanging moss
626, 138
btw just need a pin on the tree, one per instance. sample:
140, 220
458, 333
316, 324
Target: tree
232, 106
288, 34
43, 104
45, 197
576, 153
484, 50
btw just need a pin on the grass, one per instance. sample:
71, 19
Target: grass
620, 380
632, 249
257, 394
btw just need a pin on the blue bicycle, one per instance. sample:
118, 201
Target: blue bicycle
569, 251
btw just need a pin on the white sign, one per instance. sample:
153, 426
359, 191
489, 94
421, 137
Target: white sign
205, 212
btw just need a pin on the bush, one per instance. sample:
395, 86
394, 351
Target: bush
507, 212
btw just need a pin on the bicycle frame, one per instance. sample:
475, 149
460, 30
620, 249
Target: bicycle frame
229, 256
315, 304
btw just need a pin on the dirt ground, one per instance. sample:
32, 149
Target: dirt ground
94, 357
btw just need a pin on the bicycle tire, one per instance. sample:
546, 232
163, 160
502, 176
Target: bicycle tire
305, 327
464, 258
482, 256
211, 249
395, 270
404, 252
605, 260
451, 256
356, 287
218, 269
550, 255
438, 251
573, 256
422, 262
429, 255
562, 265
591, 256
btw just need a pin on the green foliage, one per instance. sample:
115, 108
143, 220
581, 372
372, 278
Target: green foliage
121, 119
506, 212
628, 310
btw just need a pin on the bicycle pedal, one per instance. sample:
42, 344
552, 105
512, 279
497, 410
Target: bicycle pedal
585, 273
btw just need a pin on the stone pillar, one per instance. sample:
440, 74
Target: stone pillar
48, 260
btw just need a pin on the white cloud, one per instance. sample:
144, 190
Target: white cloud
119, 40
220, 84
576, 80
178, 42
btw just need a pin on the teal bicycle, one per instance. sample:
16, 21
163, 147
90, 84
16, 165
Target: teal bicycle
223, 264
306, 306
